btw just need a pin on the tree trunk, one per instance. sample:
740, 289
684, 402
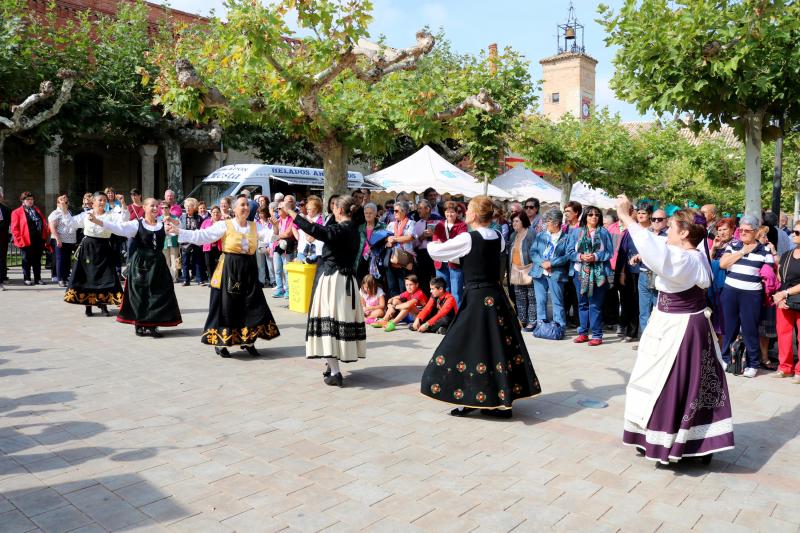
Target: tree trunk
777, 177
566, 188
172, 153
335, 158
796, 207
753, 124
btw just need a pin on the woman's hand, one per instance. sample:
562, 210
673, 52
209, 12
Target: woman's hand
546, 265
747, 248
779, 297
93, 219
121, 199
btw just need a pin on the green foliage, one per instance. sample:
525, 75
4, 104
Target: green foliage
598, 151
267, 71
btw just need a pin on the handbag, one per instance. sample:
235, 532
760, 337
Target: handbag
401, 257
552, 331
793, 300
521, 275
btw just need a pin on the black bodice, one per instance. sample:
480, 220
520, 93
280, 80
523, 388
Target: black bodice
148, 240
482, 263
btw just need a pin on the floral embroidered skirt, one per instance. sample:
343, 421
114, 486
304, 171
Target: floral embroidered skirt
692, 415
93, 280
336, 320
238, 313
482, 361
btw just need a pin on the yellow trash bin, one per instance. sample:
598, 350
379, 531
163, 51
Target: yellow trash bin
301, 281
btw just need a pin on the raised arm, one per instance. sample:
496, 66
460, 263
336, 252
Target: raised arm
202, 236
124, 229
318, 231
457, 247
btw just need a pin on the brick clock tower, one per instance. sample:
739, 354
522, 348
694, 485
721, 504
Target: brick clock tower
568, 85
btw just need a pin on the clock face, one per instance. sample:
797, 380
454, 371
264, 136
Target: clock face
585, 109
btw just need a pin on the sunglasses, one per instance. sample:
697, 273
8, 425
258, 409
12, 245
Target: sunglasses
530, 207
796, 232
658, 219
592, 214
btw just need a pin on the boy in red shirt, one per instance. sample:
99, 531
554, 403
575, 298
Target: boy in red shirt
405, 306
445, 306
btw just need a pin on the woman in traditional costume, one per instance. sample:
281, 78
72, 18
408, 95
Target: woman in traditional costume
677, 403
148, 300
335, 330
94, 279
482, 362
238, 313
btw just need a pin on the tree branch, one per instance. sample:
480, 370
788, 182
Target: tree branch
19, 122
454, 156
188, 77
384, 60
188, 134
481, 101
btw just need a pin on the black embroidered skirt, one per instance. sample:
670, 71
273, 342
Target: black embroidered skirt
238, 312
336, 320
482, 361
93, 280
149, 296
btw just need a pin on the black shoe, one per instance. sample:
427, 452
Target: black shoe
155, 333
497, 413
334, 381
139, 331
706, 459
327, 371
104, 310
40, 282
442, 331
251, 350
462, 411
88, 311
222, 352
186, 283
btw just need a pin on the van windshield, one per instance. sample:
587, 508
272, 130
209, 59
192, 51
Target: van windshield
212, 191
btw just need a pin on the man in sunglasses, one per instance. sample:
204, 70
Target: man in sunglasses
532, 210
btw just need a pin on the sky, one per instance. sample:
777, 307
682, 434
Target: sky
528, 26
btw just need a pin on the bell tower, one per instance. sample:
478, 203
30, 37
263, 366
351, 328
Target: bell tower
569, 76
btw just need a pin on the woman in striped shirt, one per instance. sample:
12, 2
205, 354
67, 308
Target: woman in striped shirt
743, 293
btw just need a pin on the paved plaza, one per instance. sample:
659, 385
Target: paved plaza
104, 431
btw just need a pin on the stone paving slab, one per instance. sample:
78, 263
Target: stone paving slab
104, 431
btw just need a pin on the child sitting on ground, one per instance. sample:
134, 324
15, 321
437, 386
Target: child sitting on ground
373, 299
445, 306
403, 307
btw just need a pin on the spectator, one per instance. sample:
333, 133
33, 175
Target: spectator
572, 218
766, 324
212, 251
400, 243
550, 257
500, 224
31, 234
514, 208
330, 219
172, 251
445, 306
86, 205
648, 295
358, 209
368, 262
264, 223
532, 210
710, 212
784, 225
314, 214
113, 204
225, 204
779, 239
388, 212
192, 254
743, 293
520, 243
285, 249
590, 251
724, 233
404, 306
450, 271
175, 208
65, 236
611, 308
202, 210
373, 299
5, 225
135, 208
788, 314
629, 269
437, 207
423, 234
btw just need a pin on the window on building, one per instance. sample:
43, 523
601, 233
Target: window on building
555, 98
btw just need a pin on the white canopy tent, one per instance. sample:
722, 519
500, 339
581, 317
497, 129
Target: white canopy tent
426, 168
583, 193
521, 183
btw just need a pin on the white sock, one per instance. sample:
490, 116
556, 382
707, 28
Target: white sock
333, 364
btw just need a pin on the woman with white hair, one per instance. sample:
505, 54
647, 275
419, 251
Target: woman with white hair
743, 293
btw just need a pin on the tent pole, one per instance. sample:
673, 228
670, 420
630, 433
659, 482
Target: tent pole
486, 186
